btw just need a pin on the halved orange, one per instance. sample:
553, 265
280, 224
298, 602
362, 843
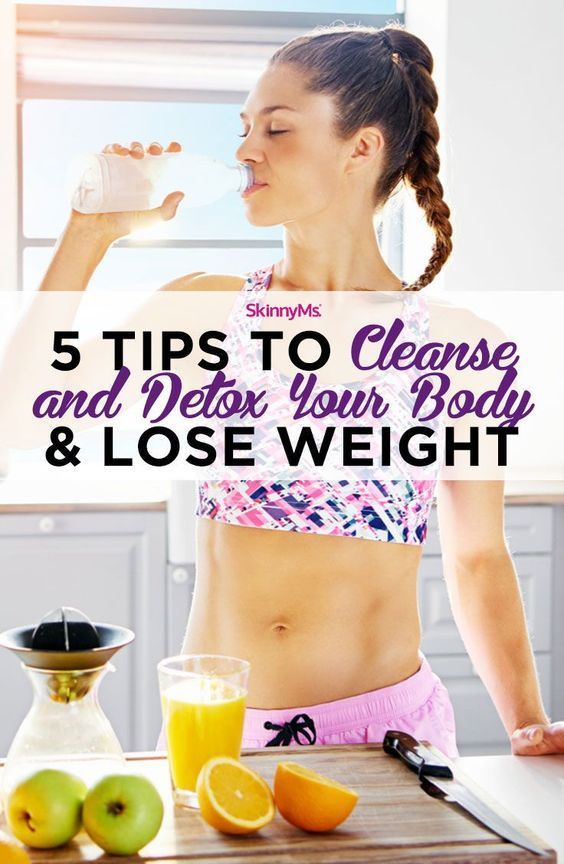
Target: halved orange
233, 798
310, 800
10, 853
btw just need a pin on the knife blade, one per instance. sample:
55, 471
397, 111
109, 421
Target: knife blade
437, 780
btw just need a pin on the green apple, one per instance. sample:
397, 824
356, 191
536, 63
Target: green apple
122, 813
45, 810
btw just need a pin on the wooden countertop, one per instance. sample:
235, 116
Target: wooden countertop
82, 507
31, 488
394, 820
536, 498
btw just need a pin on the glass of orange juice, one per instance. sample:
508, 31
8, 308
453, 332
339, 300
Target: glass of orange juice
203, 701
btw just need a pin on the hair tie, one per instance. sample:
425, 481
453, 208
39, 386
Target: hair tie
393, 52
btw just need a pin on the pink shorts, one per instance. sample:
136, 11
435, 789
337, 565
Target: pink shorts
419, 705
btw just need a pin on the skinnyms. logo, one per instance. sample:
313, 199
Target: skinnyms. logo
256, 310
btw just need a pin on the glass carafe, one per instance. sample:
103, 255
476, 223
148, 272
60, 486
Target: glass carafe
64, 729
65, 657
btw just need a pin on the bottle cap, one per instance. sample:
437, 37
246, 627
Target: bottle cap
247, 178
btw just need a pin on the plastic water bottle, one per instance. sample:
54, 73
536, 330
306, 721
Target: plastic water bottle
108, 183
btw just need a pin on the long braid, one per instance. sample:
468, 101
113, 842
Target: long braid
421, 170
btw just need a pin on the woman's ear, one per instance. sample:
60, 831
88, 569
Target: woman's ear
368, 144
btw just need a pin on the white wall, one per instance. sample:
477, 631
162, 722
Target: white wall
502, 67
8, 160
499, 74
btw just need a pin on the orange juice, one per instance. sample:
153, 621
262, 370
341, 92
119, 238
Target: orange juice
203, 717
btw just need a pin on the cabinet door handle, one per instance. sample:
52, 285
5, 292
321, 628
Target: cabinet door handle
46, 524
180, 575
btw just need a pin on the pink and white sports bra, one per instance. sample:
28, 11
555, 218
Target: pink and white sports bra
395, 511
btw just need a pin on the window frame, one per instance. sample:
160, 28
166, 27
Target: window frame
257, 28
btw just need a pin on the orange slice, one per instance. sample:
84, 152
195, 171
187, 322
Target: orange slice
10, 853
310, 800
233, 798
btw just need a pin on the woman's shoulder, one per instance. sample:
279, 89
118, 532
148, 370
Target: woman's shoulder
453, 321
202, 281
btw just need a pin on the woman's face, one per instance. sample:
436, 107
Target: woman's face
294, 150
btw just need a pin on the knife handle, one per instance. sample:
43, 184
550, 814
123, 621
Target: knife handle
415, 755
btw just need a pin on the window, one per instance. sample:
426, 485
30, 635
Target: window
90, 74
55, 130
371, 7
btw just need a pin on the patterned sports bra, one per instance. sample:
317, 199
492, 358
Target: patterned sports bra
395, 511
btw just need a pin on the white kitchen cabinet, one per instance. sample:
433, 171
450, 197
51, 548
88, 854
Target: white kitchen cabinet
181, 571
529, 531
110, 564
180, 588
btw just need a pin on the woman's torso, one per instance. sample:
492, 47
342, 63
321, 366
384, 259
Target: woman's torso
319, 617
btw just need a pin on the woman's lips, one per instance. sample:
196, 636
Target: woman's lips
254, 188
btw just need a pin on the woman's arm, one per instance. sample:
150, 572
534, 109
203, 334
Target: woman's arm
488, 609
78, 251
25, 361
87, 237
486, 599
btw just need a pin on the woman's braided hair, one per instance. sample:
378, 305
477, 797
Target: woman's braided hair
383, 77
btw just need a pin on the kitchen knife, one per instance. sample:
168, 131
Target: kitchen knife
437, 780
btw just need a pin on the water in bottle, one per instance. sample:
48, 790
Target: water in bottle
108, 183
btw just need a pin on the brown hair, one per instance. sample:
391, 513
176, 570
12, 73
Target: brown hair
383, 77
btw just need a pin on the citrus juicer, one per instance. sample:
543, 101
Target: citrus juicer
65, 657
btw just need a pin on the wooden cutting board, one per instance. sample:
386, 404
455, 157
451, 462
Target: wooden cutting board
393, 821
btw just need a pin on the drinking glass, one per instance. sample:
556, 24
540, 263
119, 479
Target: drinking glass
203, 699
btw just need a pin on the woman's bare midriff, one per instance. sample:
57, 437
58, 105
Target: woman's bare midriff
319, 618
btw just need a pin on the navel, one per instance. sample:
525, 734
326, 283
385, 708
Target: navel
279, 627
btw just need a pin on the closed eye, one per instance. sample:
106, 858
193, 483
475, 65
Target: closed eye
270, 132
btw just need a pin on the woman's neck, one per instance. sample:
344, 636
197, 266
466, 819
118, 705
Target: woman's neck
339, 265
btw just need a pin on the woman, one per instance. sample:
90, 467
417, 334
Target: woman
339, 117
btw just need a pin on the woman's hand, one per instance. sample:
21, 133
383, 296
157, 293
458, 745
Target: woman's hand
112, 226
538, 739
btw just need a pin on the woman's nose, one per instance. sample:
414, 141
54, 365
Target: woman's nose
249, 152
